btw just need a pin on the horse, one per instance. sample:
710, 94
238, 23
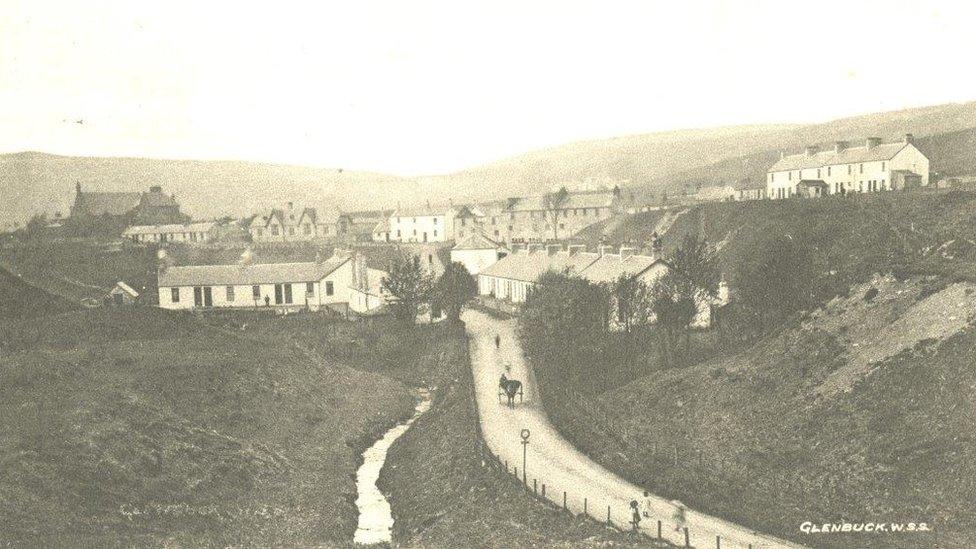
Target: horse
511, 387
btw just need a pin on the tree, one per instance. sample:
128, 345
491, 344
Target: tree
552, 204
35, 226
563, 324
454, 289
692, 280
632, 304
779, 279
408, 284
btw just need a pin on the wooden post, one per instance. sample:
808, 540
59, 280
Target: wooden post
675, 454
609, 522
535, 487
516, 471
687, 539
718, 542
543, 489
585, 512
564, 501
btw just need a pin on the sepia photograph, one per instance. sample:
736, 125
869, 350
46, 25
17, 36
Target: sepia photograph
488, 274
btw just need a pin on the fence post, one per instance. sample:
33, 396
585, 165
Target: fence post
516, 471
718, 542
543, 489
564, 501
687, 539
609, 522
585, 511
659, 530
676, 454
535, 488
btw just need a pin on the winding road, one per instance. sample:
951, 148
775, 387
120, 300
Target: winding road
553, 461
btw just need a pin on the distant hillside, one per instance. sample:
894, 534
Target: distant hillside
36, 182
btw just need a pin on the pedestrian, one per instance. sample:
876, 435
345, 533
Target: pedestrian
647, 504
498, 341
635, 515
679, 515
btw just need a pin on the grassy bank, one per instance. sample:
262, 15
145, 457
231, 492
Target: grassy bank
146, 428
442, 496
863, 412
19, 299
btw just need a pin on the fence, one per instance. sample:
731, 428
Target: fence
700, 473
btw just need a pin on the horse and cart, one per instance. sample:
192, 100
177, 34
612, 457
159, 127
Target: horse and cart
509, 388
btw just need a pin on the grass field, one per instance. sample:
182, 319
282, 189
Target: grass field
20, 300
149, 428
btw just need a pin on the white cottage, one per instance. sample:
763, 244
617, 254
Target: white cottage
188, 232
477, 252
284, 286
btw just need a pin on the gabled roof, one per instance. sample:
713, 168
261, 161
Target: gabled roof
383, 226
370, 217
478, 241
423, 211
107, 203
260, 273
610, 267
528, 266
125, 288
850, 155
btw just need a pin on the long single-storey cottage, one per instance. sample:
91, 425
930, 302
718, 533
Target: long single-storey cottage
189, 232
477, 252
289, 286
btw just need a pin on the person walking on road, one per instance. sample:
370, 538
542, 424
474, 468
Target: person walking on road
635, 515
647, 504
679, 515
498, 341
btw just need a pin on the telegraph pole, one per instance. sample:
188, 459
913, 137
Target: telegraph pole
525, 446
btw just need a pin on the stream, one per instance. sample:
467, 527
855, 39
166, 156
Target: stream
375, 517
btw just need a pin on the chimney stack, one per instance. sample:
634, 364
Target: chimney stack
909, 139
553, 249
782, 154
872, 142
626, 252
811, 150
574, 249
839, 146
601, 250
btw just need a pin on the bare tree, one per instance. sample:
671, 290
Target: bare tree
552, 203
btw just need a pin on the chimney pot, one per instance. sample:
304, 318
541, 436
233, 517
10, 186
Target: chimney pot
553, 249
626, 252
810, 150
839, 146
909, 139
601, 250
872, 142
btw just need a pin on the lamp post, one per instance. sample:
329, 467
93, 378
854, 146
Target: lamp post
525, 446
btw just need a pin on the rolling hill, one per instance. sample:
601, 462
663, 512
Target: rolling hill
34, 182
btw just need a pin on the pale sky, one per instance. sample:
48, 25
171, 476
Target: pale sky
421, 87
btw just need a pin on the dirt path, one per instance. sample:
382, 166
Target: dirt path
553, 461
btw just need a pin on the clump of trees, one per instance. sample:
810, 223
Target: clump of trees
454, 290
776, 281
408, 284
575, 329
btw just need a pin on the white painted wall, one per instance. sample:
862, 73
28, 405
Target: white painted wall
422, 228
475, 261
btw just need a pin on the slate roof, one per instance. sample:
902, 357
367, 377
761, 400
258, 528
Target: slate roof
107, 203
423, 211
610, 267
478, 241
158, 200
850, 155
260, 273
202, 227
527, 266
125, 288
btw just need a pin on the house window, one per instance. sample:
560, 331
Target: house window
291, 231
430, 259
562, 225
435, 232
496, 232
435, 221
493, 222
274, 231
310, 288
256, 292
329, 288
791, 176
174, 295
308, 229
818, 173
398, 233
861, 168
230, 293
828, 171
882, 166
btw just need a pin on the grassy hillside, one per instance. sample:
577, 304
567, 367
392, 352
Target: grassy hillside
859, 409
35, 182
21, 300
148, 428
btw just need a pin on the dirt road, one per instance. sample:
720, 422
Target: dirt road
552, 461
